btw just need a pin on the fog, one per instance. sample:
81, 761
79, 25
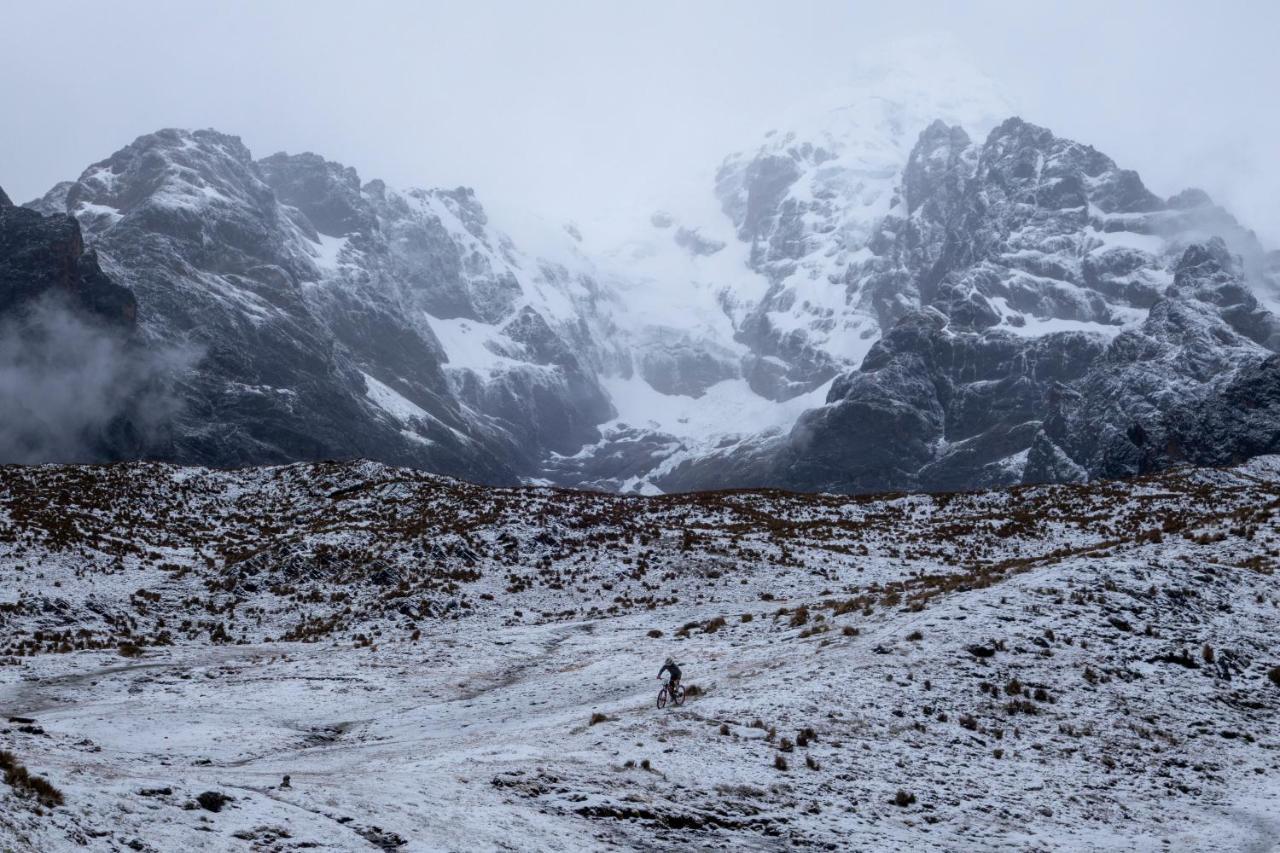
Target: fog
578, 109
72, 390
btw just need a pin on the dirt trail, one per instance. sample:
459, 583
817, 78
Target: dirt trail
1266, 831
27, 698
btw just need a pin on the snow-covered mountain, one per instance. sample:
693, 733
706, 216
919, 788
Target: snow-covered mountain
1012, 280
899, 287
337, 319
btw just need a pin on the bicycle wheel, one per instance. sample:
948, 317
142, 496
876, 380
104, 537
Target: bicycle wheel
679, 697
662, 697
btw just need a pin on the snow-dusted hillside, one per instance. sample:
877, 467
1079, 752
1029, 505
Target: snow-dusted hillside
1080, 667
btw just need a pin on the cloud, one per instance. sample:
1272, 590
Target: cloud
573, 107
72, 390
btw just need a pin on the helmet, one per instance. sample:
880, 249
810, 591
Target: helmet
670, 661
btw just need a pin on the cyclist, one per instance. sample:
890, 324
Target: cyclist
672, 667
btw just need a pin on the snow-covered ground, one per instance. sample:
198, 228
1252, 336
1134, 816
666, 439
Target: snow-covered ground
1076, 667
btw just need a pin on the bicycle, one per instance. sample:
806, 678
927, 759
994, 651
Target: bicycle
665, 695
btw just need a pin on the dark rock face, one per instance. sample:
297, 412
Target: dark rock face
673, 364
44, 256
759, 218
940, 409
77, 383
328, 194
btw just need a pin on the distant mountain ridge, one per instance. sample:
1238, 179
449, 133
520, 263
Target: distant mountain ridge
882, 302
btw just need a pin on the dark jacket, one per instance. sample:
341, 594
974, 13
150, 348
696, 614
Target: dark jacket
674, 670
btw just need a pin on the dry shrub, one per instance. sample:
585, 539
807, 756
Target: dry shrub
213, 801
23, 782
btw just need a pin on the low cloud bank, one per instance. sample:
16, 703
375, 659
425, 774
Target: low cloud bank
72, 390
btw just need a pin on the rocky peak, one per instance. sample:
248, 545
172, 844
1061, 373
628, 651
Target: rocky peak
1205, 262
327, 193
4, 199
462, 202
199, 189
1190, 198
1208, 272
937, 168
172, 169
1031, 165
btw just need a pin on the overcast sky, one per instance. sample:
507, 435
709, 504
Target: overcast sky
573, 108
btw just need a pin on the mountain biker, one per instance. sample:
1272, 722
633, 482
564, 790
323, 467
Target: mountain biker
672, 667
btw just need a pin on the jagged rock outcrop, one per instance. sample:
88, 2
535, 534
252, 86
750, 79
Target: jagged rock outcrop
1186, 386
43, 257
399, 269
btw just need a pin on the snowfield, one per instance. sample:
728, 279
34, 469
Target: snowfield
440, 666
